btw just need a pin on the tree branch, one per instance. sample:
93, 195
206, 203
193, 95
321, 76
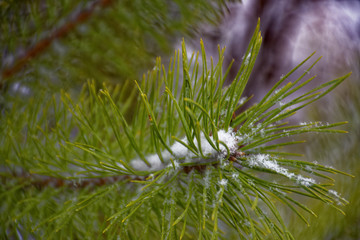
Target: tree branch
60, 32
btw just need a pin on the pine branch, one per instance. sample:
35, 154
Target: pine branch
201, 167
58, 33
71, 36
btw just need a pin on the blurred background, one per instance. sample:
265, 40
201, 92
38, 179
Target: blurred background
291, 31
50, 45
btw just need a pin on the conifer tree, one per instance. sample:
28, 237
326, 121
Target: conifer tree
172, 155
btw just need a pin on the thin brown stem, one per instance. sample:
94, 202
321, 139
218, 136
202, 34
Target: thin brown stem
58, 33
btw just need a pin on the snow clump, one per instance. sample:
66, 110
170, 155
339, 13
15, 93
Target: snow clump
229, 138
265, 161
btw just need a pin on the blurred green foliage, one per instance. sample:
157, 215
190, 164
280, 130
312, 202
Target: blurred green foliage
105, 40
115, 43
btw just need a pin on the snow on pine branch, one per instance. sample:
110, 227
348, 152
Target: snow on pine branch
181, 152
265, 161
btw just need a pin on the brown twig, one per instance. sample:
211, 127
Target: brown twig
60, 32
41, 181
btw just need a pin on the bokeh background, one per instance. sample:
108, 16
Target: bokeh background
48, 45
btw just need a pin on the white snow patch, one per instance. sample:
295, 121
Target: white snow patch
247, 59
235, 176
334, 193
242, 100
265, 161
223, 182
154, 161
207, 179
308, 168
181, 152
314, 124
176, 164
337, 196
307, 182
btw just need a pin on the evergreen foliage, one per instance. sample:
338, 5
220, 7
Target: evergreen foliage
104, 40
174, 155
338, 151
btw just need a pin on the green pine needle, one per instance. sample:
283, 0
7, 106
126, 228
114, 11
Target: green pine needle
204, 164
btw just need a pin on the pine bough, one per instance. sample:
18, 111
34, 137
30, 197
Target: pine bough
164, 158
